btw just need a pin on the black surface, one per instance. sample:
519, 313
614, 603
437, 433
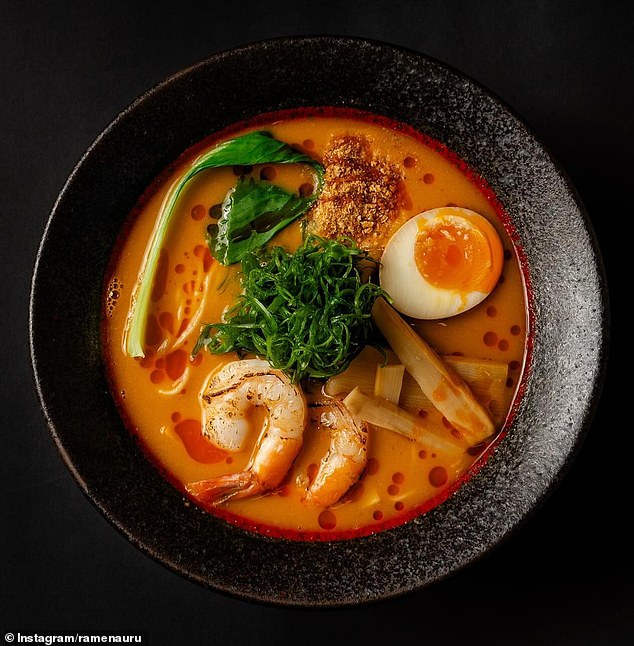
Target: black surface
67, 69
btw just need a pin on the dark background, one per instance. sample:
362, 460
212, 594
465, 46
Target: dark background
66, 69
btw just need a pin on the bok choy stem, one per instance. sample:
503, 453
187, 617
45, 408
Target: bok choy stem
253, 148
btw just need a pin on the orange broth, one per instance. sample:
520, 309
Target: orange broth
159, 395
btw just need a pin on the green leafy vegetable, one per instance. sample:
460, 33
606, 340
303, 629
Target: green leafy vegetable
248, 150
307, 313
257, 147
252, 213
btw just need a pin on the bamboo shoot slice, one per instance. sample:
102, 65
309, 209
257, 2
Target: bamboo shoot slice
443, 387
357, 374
384, 414
388, 381
485, 377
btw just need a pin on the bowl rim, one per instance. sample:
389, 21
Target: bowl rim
341, 598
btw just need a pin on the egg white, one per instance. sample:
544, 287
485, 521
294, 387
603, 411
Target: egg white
411, 293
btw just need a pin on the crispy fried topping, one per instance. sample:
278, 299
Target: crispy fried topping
361, 194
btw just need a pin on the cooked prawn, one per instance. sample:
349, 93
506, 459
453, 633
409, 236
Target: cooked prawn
342, 466
227, 399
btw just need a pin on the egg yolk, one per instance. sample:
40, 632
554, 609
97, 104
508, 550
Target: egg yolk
457, 256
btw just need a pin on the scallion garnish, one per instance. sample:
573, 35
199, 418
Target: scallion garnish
307, 313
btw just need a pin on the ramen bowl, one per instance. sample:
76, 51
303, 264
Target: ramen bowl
567, 314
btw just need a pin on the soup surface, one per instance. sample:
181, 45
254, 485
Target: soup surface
159, 394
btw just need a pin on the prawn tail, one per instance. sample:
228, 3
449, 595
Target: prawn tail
217, 490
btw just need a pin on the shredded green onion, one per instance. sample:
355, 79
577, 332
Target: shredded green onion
307, 313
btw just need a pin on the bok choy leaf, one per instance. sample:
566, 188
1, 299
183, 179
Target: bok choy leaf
252, 213
250, 149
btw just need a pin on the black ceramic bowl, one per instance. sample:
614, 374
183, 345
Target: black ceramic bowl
567, 297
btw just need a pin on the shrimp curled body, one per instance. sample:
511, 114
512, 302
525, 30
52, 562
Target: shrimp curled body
227, 400
346, 458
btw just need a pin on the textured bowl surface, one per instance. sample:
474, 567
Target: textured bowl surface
568, 302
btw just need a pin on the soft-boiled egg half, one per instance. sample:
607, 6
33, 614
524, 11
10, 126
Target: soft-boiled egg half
441, 262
